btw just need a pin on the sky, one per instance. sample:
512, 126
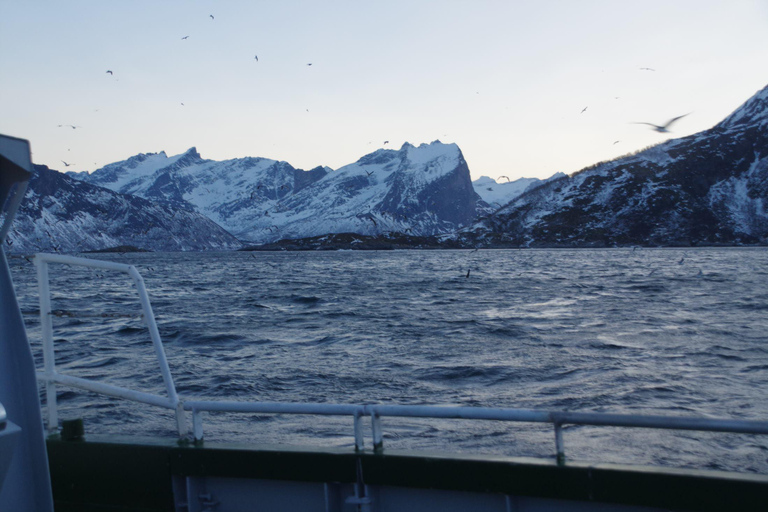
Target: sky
507, 81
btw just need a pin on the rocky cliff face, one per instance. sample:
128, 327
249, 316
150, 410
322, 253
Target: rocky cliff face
708, 188
63, 214
421, 190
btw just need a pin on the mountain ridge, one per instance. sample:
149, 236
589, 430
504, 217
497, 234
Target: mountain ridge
423, 189
62, 214
707, 188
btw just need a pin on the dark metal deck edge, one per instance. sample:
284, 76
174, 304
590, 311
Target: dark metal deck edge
104, 472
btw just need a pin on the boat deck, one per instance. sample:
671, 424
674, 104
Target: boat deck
120, 474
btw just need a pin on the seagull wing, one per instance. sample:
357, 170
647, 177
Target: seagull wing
674, 119
649, 124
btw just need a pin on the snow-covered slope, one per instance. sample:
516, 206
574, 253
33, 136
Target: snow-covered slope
708, 188
753, 113
63, 214
422, 190
497, 194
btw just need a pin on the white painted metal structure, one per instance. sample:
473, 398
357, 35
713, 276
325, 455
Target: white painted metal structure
376, 412
50, 376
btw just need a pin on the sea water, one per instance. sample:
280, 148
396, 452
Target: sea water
678, 332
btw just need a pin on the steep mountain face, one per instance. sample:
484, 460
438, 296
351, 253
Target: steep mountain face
419, 190
708, 188
422, 190
63, 214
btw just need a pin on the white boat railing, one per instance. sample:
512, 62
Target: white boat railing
50, 376
357, 412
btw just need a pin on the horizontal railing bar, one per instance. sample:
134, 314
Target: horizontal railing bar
575, 418
484, 413
663, 422
65, 313
85, 262
469, 413
274, 407
107, 389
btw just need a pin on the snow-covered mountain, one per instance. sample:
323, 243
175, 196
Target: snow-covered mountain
63, 214
422, 190
498, 194
707, 188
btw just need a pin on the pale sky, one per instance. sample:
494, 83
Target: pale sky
505, 80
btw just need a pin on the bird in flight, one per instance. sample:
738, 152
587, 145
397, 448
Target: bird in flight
647, 69
309, 64
664, 128
616, 142
70, 125
386, 142
504, 177
185, 37
211, 16
66, 164
256, 57
584, 110
110, 72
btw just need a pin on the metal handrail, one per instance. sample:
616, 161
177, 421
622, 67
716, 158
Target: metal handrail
556, 418
50, 376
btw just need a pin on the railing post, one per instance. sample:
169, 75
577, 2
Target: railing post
359, 439
559, 447
49, 356
378, 437
154, 333
197, 425
181, 419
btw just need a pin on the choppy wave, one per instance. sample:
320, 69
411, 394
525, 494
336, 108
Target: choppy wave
587, 330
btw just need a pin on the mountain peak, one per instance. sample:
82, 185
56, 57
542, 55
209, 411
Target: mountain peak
192, 152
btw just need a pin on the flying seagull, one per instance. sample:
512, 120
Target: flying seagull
504, 177
110, 72
647, 69
66, 164
211, 15
386, 142
256, 57
584, 110
309, 64
185, 37
665, 127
